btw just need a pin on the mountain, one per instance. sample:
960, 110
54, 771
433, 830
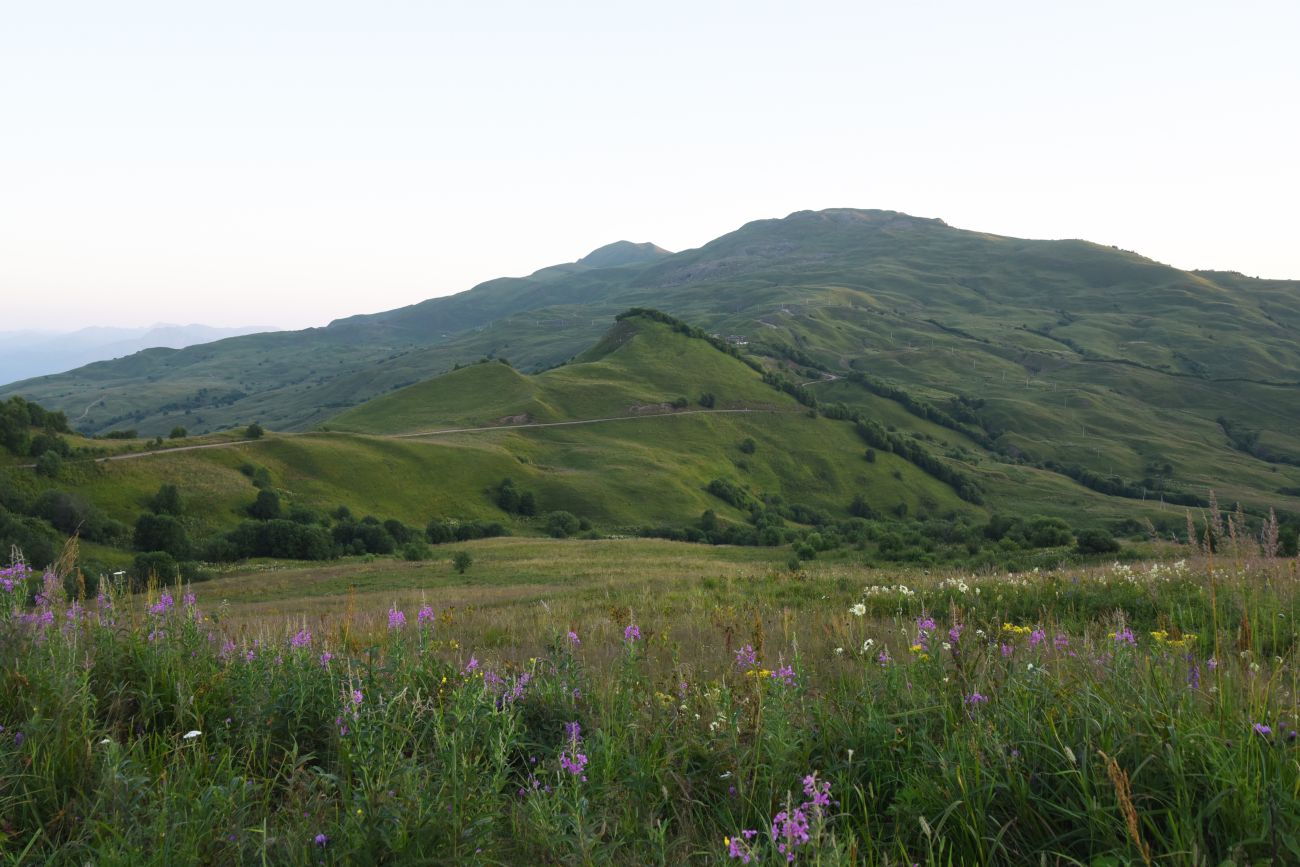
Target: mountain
1097, 364
26, 354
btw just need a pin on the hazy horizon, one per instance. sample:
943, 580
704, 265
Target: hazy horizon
295, 163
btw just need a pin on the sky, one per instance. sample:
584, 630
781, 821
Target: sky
289, 163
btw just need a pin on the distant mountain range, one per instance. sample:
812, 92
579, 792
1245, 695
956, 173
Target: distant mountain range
1131, 375
25, 354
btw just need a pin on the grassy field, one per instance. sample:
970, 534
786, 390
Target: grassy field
646, 702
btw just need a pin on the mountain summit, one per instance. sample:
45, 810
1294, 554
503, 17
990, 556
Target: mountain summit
621, 253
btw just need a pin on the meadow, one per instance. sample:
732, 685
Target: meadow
650, 702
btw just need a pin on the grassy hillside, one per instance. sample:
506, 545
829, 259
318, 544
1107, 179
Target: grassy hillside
1073, 354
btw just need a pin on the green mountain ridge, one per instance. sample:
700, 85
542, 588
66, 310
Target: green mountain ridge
1065, 353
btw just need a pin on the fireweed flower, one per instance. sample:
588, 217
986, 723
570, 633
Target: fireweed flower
325, 659
164, 604
573, 638
425, 615
302, 638
572, 760
738, 848
785, 675
470, 667
1124, 636
976, 698
632, 633
1037, 637
746, 658
396, 619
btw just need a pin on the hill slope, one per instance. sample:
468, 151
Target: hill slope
1062, 353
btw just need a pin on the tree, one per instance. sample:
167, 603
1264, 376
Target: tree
158, 565
860, 508
707, 400
254, 431
266, 507
748, 446
161, 533
527, 504
462, 561
49, 464
167, 501
179, 433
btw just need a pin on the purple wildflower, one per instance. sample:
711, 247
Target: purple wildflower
424, 615
573, 638
1061, 641
784, 674
321, 839
470, 667
1125, 636
325, 659
574, 764
1212, 663
1261, 729
357, 697
976, 698
746, 657
301, 639
790, 831
1037, 637
18, 739
632, 633
1007, 651
164, 604
925, 623
736, 848
396, 619
954, 634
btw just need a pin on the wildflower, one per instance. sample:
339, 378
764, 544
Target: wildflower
1261, 729
164, 604
746, 657
302, 638
191, 734
1037, 637
839, 651
1124, 636
425, 615
784, 674
396, 619
571, 759
736, 848
789, 831
18, 739
357, 697
574, 640
976, 698
1061, 641
1212, 663
1007, 651
858, 610
954, 634
325, 659
867, 645
321, 839
470, 667
632, 633
925, 624
883, 658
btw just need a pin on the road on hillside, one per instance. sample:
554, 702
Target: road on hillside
133, 455
430, 433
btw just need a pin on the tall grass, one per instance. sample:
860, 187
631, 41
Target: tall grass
1084, 717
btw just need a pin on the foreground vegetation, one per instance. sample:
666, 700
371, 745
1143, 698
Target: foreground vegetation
1125, 714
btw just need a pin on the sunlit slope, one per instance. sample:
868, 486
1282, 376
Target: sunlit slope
639, 367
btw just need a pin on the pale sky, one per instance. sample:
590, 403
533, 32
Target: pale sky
294, 162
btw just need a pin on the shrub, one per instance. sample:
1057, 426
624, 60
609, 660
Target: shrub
462, 561
748, 446
49, 464
562, 524
155, 564
266, 507
161, 533
254, 431
178, 433
1095, 542
416, 551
